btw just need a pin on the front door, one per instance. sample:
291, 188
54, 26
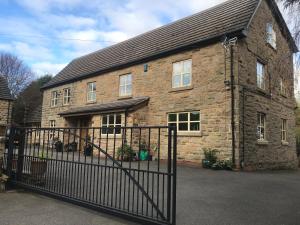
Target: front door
84, 124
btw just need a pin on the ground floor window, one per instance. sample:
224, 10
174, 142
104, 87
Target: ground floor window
111, 124
261, 126
185, 121
283, 129
52, 132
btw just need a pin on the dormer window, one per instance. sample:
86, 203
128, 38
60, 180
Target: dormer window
271, 35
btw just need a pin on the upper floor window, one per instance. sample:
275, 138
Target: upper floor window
111, 124
261, 126
260, 75
67, 96
283, 129
125, 88
283, 90
91, 92
271, 35
54, 98
185, 121
182, 74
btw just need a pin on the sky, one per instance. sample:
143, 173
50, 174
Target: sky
48, 34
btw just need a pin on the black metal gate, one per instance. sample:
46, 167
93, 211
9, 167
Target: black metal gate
127, 171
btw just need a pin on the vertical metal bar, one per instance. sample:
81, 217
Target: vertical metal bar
174, 175
113, 171
139, 168
169, 174
129, 189
20, 154
158, 169
148, 168
10, 153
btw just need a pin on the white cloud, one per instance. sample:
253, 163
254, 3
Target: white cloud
32, 52
43, 68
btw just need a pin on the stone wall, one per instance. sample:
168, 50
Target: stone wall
5, 112
278, 63
210, 96
207, 94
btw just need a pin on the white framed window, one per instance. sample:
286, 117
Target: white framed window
260, 75
261, 126
125, 88
52, 132
283, 129
111, 124
67, 96
271, 35
52, 123
185, 121
54, 98
283, 90
91, 92
182, 74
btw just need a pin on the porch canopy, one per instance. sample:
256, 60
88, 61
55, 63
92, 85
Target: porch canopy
115, 106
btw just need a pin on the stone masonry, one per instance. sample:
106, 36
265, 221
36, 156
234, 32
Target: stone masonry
209, 95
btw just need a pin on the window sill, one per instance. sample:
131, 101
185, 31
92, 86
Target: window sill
262, 92
111, 136
188, 134
262, 142
125, 97
283, 95
181, 89
91, 102
285, 143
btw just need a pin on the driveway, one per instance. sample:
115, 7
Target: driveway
204, 197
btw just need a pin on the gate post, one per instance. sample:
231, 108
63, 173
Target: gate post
20, 154
10, 151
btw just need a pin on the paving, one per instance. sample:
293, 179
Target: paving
204, 197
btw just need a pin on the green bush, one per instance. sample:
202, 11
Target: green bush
125, 153
210, 155
222, 165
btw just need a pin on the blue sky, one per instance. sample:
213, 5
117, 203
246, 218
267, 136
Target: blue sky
47, 34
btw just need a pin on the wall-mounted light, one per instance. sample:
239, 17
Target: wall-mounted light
145, 68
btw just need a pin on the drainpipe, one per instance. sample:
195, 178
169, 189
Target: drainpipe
232, 105
229, 43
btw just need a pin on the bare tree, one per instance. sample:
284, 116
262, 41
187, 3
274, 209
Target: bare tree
294, 10
16, 72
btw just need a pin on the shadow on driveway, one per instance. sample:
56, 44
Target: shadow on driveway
204, 197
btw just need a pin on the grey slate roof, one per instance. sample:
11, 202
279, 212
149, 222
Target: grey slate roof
4, 90
119, 105
231, 17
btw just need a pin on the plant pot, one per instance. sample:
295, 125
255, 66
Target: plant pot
58, 146
38, 167
206, 163
88, 150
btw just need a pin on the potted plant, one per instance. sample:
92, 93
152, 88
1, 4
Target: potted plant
72, 147
144, 153
58, 145
125, 153
154, 151
39, 166
210, 157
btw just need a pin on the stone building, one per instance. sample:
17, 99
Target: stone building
228, 68
5, 106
